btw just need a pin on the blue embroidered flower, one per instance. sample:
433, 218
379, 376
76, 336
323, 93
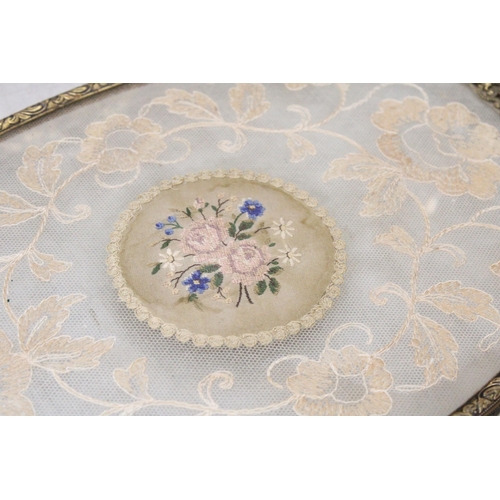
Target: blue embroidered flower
252, 208
172, 218
196, 283
159, 225
169, 232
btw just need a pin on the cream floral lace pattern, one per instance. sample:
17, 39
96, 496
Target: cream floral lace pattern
430, 156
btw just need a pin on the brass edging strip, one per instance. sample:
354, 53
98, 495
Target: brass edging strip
485, 402
489, 92
48, 106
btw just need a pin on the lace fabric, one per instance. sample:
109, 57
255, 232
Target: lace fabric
410, 174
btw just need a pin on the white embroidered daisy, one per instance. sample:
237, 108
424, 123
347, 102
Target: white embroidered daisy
290, 256
282, 228
171, 260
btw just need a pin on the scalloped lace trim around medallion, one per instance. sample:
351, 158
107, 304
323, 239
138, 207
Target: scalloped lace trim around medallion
206, 248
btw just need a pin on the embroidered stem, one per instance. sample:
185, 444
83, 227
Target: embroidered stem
241, 126
413, 280
187, 215
425, 216
397, 337
164, 239
79, 395
240, 294
373, 91
335, 112
176, 404
258, 410
411, 309
247, 294
426, 246
220, 411
220, 204
182, 274
460, 226
262, 229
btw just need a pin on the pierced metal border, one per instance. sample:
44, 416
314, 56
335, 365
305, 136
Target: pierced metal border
489, 92
48, 106
485, 402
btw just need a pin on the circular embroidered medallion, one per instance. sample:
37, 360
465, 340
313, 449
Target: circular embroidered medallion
226, 258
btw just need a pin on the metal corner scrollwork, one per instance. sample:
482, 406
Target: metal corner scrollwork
485, 402
489, 92
43, 108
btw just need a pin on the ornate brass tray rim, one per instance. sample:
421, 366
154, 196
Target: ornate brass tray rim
52, 104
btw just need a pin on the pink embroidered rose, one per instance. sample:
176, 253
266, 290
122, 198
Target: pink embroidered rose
246, 262
205, 239
199, 203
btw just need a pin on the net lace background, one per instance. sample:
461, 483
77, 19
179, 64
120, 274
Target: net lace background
300, 133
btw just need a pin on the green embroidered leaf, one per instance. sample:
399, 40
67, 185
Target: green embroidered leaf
260, 287
188, 212
192, 296
275, 270
206, 204
272, 244
200, 210
274, 286
232, 229
156, 268
218, 279
209, 268
165, 243
246, 224
214, 208
243, 236
274, 261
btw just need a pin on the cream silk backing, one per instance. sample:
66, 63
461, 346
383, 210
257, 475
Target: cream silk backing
410, 173
296, 281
